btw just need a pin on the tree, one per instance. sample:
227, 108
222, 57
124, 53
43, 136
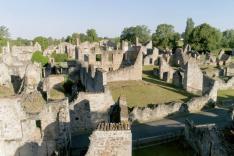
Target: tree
188, 30
83, 38
52, 41
165, 36
92, 35
228, 39
4, 32
42, 41
20, 42
59, 57
140, 31
39, 58
73, 38
205, 38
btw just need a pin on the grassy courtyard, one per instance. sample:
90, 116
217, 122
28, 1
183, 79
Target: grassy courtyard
225, 94
150, 90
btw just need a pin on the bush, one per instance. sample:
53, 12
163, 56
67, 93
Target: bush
59, 57
38, 57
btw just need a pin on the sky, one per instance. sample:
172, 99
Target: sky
59, 18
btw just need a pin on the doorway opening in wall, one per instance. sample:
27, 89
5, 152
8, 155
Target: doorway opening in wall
165, 76
110, 57
110, 69
98, 57
38, 124
151, 60
86, 58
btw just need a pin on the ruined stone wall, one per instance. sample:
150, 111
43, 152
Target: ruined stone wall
110, 60
193, 78
179, 58
36, 47
33, 134
5, 78
205, 140
151, 59
51, 81
146, 114
133, 72
93, 79
165, 70
89, 109
159, 111
111, 140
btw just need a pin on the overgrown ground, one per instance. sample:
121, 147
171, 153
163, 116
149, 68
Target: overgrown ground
225, 95
150, 90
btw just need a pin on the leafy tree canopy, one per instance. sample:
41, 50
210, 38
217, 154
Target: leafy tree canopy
140, 31
205, 38
188, 30
92, 35
21, 42
4, 32
228, 39
43, 41
39, 58
165, 36
59, 57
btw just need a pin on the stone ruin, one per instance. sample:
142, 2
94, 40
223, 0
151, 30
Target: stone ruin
207, 139
99, 67
89, 109
119, 111
24, 132
111, 139
193, 78
29, 124
52, 86
223, 58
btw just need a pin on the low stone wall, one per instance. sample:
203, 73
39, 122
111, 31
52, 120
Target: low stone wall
112, 139
145, 114
159, 111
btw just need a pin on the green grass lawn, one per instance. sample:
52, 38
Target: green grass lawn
150, 90
225, 94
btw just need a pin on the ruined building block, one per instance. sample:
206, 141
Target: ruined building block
193, 78
111, 139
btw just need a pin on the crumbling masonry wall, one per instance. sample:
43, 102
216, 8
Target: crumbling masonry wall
193, 78
89, 109
111, 140
33, 134
133, 72
205, 139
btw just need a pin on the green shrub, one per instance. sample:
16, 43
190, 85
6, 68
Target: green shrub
38, 57
59, 57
